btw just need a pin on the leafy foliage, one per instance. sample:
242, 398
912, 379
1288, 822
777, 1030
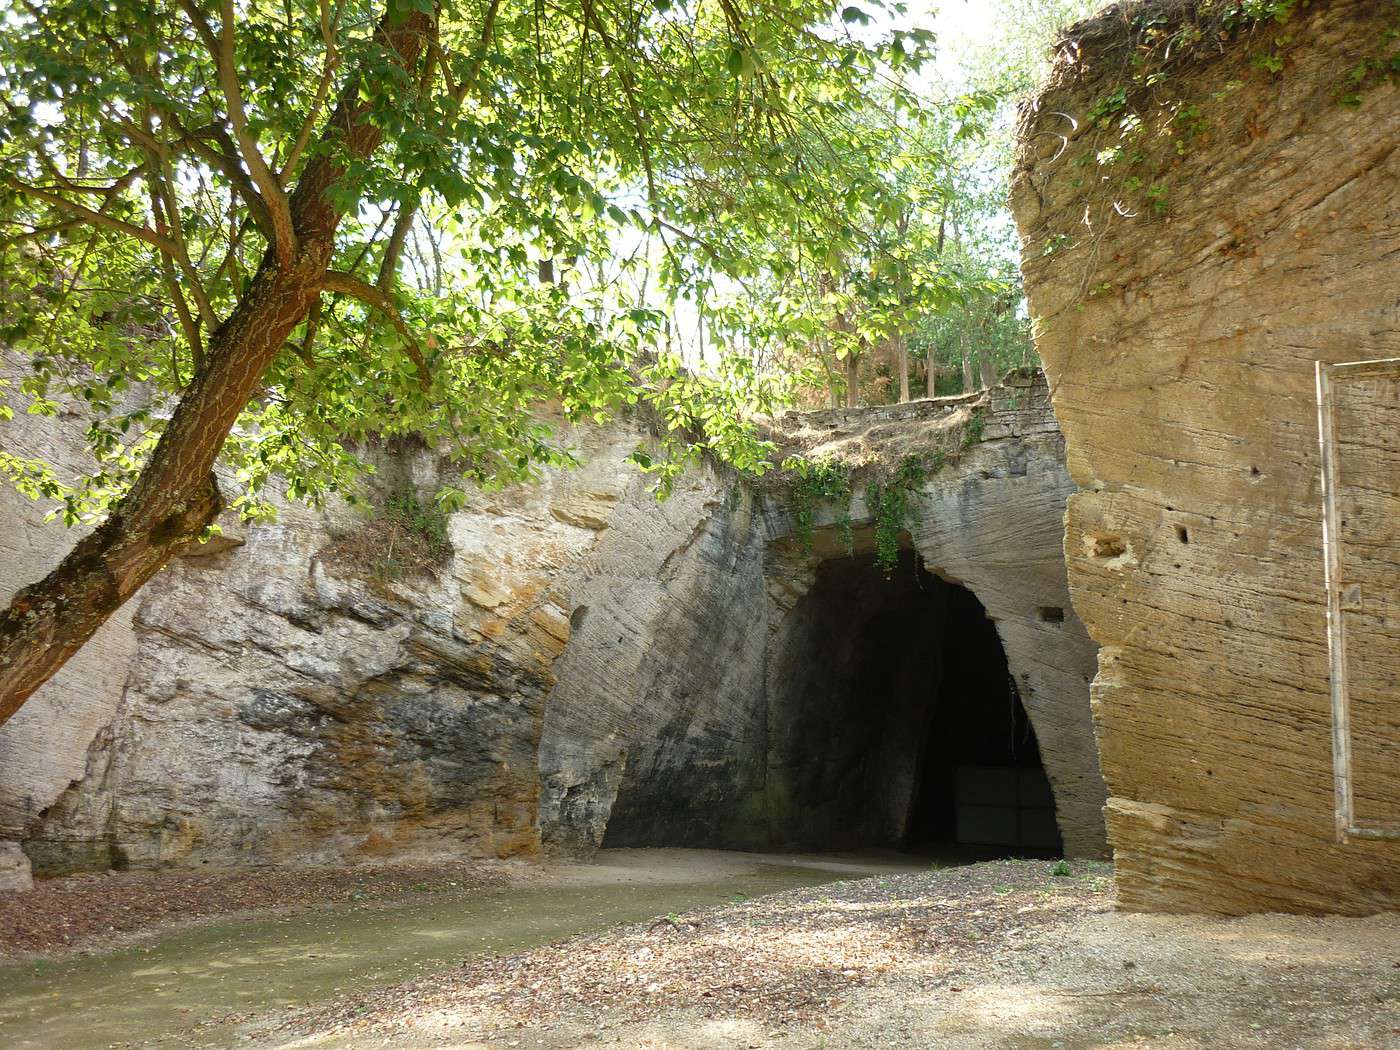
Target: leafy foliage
815, 483
639, 157
891, 505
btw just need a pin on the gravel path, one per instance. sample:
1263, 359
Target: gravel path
1004, 954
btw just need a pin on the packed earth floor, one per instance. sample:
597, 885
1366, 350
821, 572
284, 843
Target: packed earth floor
1000, 954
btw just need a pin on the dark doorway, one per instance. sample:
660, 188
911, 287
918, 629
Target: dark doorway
894, 721
981, 782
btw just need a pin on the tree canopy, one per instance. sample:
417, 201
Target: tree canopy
150, 149
250, 238
259, 234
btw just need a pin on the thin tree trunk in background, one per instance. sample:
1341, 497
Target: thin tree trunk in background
931, 375
969, 383
175, 497
852, 381
902, 349
833, 377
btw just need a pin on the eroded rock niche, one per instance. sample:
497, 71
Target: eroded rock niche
579, 665
1206, 212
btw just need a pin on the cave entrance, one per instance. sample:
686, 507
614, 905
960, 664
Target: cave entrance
895, 722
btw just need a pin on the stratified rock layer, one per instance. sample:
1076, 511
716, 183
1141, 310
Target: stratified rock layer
680, 711
583, 663
1194, 239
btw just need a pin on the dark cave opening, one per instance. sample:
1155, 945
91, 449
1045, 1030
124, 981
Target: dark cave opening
895, 722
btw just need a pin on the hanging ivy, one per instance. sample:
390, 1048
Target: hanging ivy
814, 483
891, 507
975, 425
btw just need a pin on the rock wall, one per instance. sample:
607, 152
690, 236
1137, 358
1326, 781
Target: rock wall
992, 520
1204, 215
584, 665
264, 700
668, 727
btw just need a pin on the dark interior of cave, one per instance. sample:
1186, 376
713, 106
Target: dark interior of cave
895, 722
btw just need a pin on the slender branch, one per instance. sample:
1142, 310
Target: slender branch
223, 159
389, 265
376, 299
182, 312
403, 221
93, 218
330, 25
222, 48
77, 187
629, 89
39, 232
163, 206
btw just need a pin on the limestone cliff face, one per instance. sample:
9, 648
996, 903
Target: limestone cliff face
682, 715
991, 520
1184, 282
583, 665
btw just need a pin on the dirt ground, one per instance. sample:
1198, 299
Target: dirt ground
1004, 954
92, 912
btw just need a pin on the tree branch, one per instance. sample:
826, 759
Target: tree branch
279, 210
345, 284
94, 218
224, 160
403, 221
329, 26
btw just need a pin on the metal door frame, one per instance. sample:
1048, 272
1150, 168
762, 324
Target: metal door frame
1337, 597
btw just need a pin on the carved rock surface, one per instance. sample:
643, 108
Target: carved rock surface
273, 704
991, 519
674, 716
14, 868
1184, 282
586, 665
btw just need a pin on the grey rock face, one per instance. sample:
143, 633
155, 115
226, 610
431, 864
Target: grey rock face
587, 665
688, 710
14, 868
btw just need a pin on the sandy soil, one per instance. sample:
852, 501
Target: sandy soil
1004, 954
85, 913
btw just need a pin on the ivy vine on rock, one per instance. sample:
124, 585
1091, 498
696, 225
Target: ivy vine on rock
891, 506
814, 483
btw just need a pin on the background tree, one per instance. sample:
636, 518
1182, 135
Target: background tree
830, 295
208, 211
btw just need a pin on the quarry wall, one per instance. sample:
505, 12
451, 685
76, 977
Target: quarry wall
1207, 209
580, 663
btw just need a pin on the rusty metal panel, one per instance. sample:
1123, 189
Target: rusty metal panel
1359, 428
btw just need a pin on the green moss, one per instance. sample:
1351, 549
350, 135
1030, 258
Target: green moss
891, 505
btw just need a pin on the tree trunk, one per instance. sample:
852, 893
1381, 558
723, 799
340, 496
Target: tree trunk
833, 377
989, 369
852, 381
902, 353
969, 382
176, 497
931, 374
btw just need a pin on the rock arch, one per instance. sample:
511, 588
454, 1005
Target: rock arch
694, 765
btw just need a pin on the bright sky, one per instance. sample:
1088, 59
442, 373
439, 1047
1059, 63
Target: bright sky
956, 23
